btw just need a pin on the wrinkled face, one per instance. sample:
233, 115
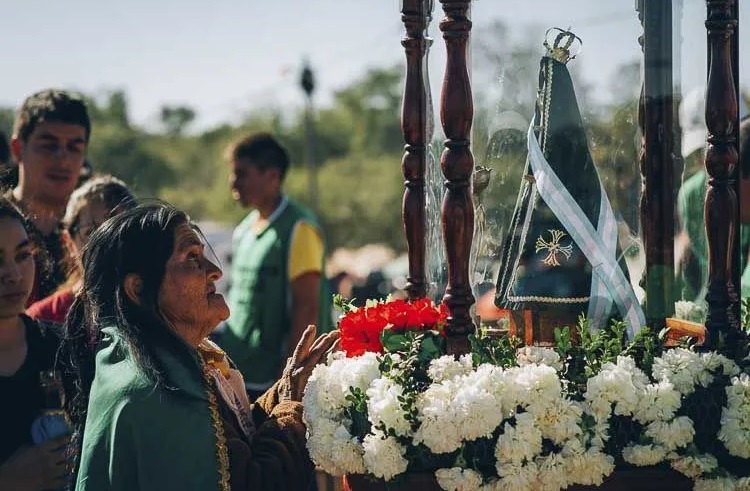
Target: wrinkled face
52, 159
16, 267
250, 185
188, 297
93, 214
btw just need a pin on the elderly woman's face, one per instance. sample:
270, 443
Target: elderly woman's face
188, 297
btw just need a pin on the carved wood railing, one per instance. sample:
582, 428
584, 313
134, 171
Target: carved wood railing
655, 118
457, 163
416, 16
721, 206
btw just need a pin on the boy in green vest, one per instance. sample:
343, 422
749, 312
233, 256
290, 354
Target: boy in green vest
278, 287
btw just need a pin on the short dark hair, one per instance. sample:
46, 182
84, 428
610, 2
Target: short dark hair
263, 151
50, 105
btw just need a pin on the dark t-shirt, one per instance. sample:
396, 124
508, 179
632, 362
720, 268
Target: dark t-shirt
21, 396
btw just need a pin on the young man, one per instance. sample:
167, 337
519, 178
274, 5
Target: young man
277, 287
49, 140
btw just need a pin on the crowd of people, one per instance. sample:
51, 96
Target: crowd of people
109, 347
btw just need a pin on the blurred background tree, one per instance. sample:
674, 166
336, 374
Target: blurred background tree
358, 143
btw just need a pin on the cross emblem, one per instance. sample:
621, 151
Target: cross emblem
553, 247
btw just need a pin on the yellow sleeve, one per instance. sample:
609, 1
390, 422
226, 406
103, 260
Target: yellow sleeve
306, 250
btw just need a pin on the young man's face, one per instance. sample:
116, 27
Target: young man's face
251, 186
51, 161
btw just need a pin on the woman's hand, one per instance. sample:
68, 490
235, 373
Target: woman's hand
38, 467
308, 353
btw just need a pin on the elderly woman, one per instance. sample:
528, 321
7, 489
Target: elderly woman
166, 410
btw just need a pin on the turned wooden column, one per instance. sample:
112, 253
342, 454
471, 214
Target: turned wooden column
457, 163
656, 121
416, 16
721, 207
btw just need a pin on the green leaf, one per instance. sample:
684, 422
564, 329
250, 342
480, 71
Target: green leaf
394, 341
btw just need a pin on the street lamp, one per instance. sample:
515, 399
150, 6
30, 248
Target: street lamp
307, 82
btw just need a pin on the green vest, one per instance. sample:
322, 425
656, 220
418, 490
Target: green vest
257, 332
691, 199
139, 436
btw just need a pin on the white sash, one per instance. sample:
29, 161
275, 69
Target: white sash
608, 283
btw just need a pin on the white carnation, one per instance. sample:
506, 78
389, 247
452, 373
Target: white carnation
447, 367
742, 484
383, 406
735, 417
518, 443
694, 465
384, 456
535, 386
437, 429
682, 367
328, 386
334, 450
588, 467
476, 410
716, 362
718, 484
644, 455
517, 477
457, 479
672, 434
620, 384
536, 355
559, 421
552, 473
689, 311
658, 401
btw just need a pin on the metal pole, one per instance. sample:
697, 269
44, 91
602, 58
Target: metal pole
307, 82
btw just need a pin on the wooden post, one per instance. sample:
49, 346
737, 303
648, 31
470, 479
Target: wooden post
416, 16
656, 120
457, 163
721, 207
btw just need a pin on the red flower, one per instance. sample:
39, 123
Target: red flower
360, 332
361, 329
430, 316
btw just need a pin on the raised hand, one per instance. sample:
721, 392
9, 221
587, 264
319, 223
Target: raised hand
308, 353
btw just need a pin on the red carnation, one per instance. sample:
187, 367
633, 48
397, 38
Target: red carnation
360, 331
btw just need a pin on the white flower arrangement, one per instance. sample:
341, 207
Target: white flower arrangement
690, 311
735, 418
521, 412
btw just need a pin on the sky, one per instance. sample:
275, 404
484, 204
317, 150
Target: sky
226, 58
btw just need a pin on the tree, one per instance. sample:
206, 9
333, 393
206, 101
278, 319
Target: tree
7, 116
124, 154
176, 119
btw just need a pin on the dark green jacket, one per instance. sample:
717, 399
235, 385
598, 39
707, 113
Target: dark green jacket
142, 437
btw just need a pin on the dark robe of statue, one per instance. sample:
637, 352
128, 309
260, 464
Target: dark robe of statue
543, 268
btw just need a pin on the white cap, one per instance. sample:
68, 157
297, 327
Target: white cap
692, 115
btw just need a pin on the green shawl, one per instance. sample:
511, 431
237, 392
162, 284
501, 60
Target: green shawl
144, 437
